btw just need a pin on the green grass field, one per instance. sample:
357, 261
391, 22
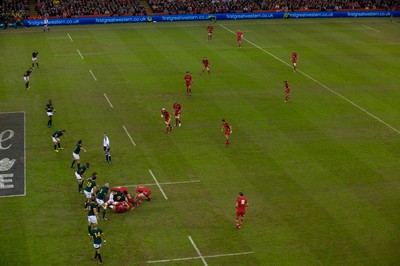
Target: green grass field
321, 173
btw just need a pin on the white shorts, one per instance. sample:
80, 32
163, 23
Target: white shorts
178, 116
76, 156
26, 79
78, 177
88, 194
97, 246
101, 203
92, 219
55, 140
49, 113
111, 199
34, 59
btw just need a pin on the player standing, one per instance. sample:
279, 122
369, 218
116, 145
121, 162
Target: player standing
46, 25
101, 199
227, 128
294, 60
106, 148
35, 59
167, 119
50, 110
287, 91
75, 154
91, 208
239, 35
210, 30
56, 139
188, 82
26, 78
206, 65
177, 113
91, 186
97, 234
241, 204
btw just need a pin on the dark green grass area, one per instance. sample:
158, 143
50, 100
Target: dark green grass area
320, 172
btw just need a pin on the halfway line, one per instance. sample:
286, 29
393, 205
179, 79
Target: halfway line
80, 54
105, 95
365, 26
198, 251
129, 135
326, 87
158, 184
70, 37
95, 79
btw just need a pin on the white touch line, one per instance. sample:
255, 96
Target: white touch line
95, 79
195, 258
158, 184
79, 52
108, 100
69, 36
165, 183
84, 54
198, 251
129, 135
365, 26
326, 87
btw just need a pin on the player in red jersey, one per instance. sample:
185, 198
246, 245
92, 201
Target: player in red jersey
177, 113
167, 119
120, 207
239, 38
241, 204
210, 30
140, 193
227, 128
294, 60
206, 65
188, 82
287, 91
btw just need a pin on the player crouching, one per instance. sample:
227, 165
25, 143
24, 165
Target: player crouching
120, 195
142, 192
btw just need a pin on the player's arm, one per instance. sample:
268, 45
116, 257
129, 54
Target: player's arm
104, 238
83, 149
230, 127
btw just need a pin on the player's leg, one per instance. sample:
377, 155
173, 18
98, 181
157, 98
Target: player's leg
37, 63
241, 219
209, 72
237, 221
80, 185
99, 256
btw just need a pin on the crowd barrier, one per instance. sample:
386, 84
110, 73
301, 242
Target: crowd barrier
202, 17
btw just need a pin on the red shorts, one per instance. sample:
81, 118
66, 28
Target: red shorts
167, 121
227, 132
240, 212
287, 91
188, 84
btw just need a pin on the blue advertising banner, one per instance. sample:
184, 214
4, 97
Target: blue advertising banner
202, 17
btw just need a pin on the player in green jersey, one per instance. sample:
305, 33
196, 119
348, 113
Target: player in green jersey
101, 199
91, 208
75, 154
90, 188
98, 237
79, 176
56, 139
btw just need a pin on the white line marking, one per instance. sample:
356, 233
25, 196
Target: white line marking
108, 100
69, 36
129, 135
158, 184
95, 79
326, 87
196, 258
84, 54
365, 26
79, 52
165, 183
198, 251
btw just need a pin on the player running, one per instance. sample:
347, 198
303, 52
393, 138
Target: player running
35, 59
294, 60
26, 78
210, 30
287, 91
206, 65
177, 113
239, 36
167, 119
50, 112
188, 83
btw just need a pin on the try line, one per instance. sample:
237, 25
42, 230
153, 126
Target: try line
319, 83
166, 183
108, 100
